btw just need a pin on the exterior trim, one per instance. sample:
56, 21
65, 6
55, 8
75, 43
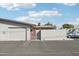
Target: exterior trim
16, 23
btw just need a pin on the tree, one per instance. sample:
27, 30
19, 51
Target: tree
39, 24
48, 24
72, 30
68, 26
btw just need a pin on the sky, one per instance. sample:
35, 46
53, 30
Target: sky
55, 13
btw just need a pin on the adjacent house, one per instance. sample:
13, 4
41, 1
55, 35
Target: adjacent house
11, 30
14, 31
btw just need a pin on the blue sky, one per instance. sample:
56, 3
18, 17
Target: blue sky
55, 13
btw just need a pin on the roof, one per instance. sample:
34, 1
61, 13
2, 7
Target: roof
14, 22
44, 27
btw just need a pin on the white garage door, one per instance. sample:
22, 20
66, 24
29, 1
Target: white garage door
17, 34
13, 34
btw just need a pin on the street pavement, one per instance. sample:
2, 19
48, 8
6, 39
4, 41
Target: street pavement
40, 48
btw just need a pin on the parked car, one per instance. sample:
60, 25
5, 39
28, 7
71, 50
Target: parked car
73, 35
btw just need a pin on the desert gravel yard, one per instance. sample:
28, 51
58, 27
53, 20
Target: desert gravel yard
40, 48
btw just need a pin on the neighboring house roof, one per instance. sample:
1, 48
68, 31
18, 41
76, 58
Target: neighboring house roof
44, 27
12, 22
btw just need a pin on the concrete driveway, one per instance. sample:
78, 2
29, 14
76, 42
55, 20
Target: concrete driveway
40, 48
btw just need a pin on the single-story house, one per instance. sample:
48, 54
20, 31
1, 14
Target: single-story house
11, 30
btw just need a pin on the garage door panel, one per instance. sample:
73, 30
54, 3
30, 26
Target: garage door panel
17, 34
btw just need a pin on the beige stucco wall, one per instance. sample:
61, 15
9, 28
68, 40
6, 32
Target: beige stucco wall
53, 34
